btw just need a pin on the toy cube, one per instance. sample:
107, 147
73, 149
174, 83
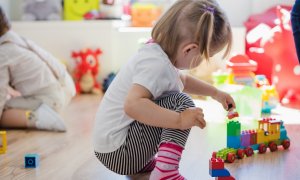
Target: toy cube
3, 142
32, 160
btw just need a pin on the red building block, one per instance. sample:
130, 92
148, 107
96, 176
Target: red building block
216, 163
225, 178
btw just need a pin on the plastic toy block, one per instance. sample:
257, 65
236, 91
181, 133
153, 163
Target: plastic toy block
232, 114
3, 144
233, 128
253, 136
225, 178
32, 160
216, 163
233, 142
245, 138
219, 173
223, 153
261, 137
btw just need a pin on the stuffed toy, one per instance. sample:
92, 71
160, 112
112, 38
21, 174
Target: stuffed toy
86, 71
41, 10
76, 9
107, 81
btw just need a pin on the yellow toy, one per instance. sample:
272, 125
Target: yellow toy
3, 147
76, 9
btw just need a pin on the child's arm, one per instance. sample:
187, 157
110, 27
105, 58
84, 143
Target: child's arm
139, 106
198, 87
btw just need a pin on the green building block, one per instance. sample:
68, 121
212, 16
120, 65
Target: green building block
233, 128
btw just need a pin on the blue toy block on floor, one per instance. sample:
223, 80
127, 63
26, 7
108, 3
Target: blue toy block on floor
219, 172
32, 160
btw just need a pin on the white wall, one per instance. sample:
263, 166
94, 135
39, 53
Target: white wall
118, 44
237, 10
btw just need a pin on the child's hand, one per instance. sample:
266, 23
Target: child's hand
12, 93
225, 99
192, 117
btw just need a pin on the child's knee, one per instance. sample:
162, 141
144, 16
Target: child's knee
176, 102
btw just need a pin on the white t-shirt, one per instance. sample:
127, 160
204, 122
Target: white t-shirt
151, 68
21, 68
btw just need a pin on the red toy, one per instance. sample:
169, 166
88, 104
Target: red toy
217, 169
279, 45
257, 26
232, 114
86, 71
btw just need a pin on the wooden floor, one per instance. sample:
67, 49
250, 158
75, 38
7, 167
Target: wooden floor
70, 155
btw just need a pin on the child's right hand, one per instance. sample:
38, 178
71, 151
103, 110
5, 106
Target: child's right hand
192, 117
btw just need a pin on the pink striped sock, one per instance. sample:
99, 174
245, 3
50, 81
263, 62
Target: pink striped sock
167, 162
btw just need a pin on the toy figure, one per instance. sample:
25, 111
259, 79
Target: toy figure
86, 71
76, 9
41, 10
107, 81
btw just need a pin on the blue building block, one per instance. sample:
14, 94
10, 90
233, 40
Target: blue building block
233, 142
32, 160
219, 172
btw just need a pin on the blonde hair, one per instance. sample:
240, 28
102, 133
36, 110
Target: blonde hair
201, 21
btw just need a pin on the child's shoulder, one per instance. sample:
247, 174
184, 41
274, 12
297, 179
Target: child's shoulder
152, 50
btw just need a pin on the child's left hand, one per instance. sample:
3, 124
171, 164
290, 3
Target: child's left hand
225, 99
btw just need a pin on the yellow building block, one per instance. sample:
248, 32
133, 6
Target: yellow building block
3, 147
75, 9
261, 137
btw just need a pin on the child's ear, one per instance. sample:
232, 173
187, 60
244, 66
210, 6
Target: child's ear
187, 48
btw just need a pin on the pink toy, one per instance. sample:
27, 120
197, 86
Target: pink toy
86, 71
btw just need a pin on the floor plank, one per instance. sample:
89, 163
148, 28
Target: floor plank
70, 155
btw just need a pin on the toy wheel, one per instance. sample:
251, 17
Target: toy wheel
273, 146
240, 153
286, 144
262, 148
230, 157
249, 151
214, 155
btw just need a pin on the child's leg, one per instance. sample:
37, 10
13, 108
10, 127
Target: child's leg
18, 112
30, 112
137, 153
172, 141
138, 149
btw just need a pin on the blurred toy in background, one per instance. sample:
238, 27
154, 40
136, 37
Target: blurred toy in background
257, 26
279, 45
41, 10
86, 71
270, 97
108, 80
241, 70
111, 9
76, 9
108, 2
144, 15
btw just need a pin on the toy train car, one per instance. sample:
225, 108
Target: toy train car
270, 133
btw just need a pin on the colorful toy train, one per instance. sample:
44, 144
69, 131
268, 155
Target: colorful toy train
270, 133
